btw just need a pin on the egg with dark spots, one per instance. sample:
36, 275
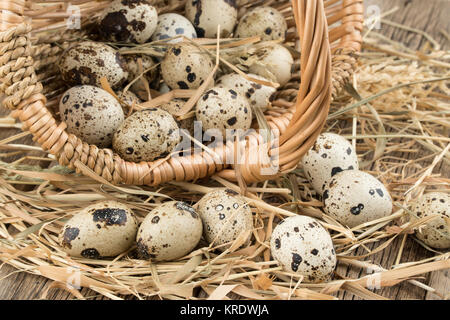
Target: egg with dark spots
266, 22
142, 69
87, 62
146, 135
185, 66
303, 246
171, 25
127, 100
258, 96
221, 110
128, 21
225, 216
91, 113
104, 229
352, 199
207, 15
170, 231
435, 232
329, 156
174, 106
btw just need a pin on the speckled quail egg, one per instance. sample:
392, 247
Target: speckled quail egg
146, 135
206, 15
87, 62
330, 155
128, 98
168, 232
104, 229
222, 109
258, 95
266, 22
354, 197
225, 215
171, 25
138, 64
185, 66
128, 21
273, 62
301, 245
91, 113
436, 232
175, 106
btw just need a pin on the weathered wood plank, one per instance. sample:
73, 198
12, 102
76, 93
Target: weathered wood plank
431, 17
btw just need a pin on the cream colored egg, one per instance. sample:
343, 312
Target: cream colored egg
146, 135
436, 232
170, 231
87, 62
104, 229
258, 95
266, 22
91, 113
185, 66
171, 25
301, 245
206, 15
330, 155
273, 62
225, 215
222, 110
128, 21
354, 197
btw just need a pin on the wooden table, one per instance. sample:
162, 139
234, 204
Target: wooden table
430, 16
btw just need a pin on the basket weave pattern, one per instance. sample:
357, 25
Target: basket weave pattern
330, 39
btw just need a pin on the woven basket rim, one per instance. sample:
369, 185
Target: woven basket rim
323, 75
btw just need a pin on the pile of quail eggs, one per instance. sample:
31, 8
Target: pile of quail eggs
170, 231
174, 229
108, 120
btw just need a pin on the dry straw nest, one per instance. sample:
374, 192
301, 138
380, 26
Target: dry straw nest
31, 42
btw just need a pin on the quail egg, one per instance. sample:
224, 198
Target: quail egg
91, 113
171, 25
266, 22
330, 155
436, 232
128, 21
138, 64
222, 109
185, 66
258, 95
104, 229
225, 216
87, 62
146, 135
128, 98
175, 106
273, 62
168, 232
301, 245
354, 197
206, 15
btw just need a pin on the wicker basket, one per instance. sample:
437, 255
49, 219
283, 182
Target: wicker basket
33, 34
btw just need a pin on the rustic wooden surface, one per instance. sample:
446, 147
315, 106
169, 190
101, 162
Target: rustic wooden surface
430, 16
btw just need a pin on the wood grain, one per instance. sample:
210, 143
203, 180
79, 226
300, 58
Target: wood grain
430, 16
